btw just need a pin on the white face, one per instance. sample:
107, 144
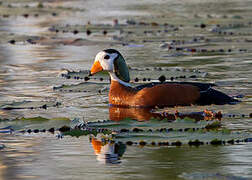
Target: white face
106, 60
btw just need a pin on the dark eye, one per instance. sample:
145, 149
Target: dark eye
106, 57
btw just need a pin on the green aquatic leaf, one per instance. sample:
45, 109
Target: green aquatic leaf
201, 132
79, 132
76, 133
214, 125
39, 118
184, 137
29, 105
60, 119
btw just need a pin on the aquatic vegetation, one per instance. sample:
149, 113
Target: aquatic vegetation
29, 105
214, 125
148, 133
33, 119
144, 133
41, 114
148, 74
78, 133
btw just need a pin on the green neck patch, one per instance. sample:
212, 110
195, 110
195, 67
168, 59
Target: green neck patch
121, 69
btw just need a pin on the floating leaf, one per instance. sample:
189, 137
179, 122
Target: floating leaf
29, 105
34, 119
76, 133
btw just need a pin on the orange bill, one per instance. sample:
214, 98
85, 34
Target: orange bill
96, 67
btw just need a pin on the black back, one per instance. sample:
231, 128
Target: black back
201, 86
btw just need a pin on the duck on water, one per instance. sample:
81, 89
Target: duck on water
154, 94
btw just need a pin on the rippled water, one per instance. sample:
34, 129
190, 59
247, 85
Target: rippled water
32, 72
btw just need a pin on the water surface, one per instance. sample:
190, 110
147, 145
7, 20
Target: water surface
29, 72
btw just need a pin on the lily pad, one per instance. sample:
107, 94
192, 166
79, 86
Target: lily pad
29, 105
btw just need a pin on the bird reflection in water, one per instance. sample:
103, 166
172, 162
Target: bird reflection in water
145, 114
108, 151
